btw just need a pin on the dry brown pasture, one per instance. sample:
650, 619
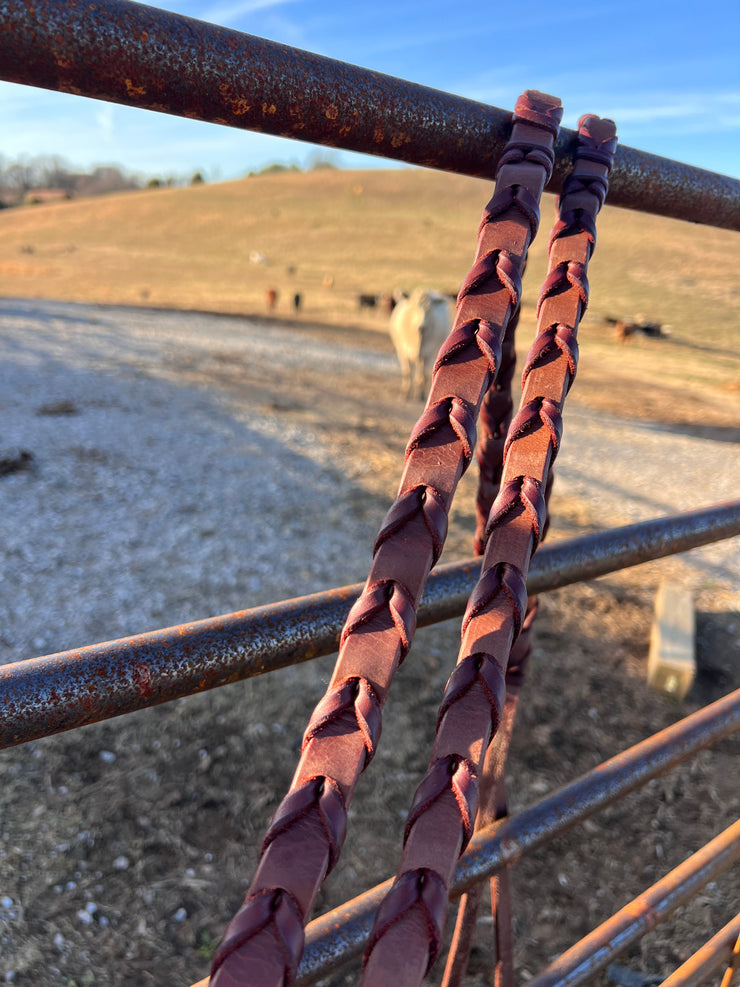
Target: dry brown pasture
381, 230
372, 230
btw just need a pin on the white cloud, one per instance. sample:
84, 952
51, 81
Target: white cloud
222, 13
104, 122
676, 113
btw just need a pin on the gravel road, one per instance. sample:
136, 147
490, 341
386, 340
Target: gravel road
167, 485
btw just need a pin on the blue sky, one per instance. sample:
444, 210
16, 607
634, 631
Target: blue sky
668, 73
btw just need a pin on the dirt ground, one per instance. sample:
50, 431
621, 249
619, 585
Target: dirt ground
127, 846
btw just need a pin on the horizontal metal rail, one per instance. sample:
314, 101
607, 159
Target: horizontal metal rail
336, 937
713, 957
579, 964
136, 55
50, 694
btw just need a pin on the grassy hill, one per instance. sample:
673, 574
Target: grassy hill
372, 231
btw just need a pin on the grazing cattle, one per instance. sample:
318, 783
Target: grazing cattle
623, 329
654, 329
387, 303
366, 301
419, 325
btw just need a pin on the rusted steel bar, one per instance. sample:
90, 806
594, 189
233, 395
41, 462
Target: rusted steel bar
590, 555
580, 963
53, 693
346, 926
336, 937
139, 56
713, 957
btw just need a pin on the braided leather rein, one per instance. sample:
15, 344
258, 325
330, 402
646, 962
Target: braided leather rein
495, 418
263, 943
407, 933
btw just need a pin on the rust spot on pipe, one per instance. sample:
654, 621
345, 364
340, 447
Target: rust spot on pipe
142, 678
133, 90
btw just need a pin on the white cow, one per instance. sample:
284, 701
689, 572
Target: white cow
418, 327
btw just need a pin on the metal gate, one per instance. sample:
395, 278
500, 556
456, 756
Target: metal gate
172, 64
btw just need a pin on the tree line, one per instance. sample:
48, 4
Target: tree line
26, 181
30, 180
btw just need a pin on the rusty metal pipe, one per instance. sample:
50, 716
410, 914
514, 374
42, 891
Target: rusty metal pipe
136, 55
712, 958
580, 963
53, 693
335, 938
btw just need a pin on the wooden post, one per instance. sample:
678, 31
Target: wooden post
672, 658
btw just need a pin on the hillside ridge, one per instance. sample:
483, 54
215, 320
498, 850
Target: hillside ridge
331, 235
